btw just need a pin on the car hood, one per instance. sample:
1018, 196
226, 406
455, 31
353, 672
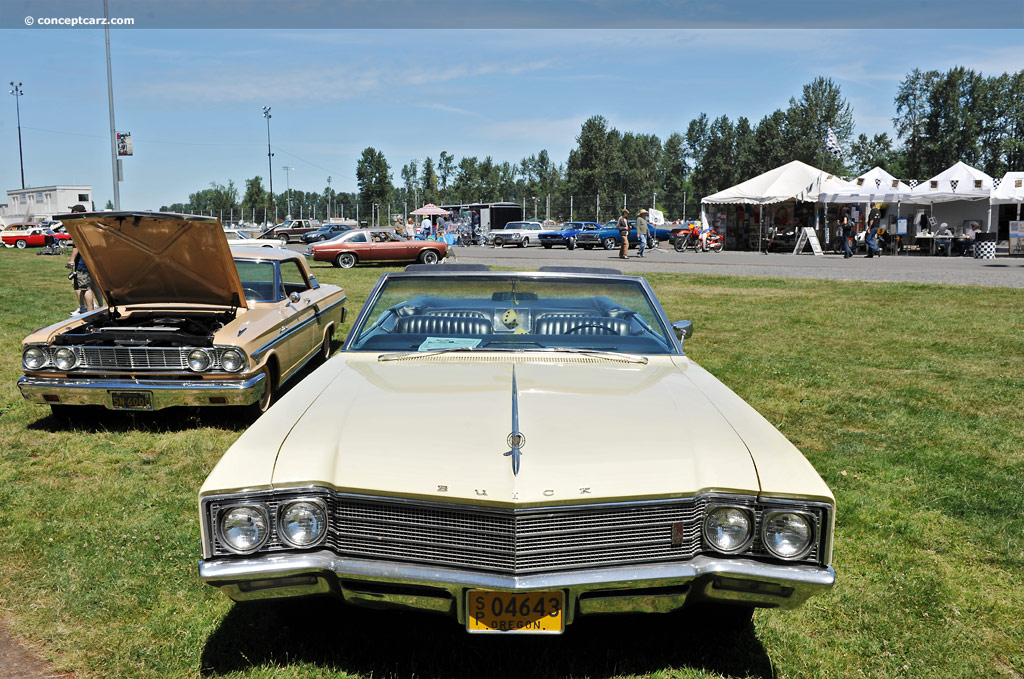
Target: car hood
150, 257
439, 427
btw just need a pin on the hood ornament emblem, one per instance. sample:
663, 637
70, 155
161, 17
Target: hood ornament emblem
515, 440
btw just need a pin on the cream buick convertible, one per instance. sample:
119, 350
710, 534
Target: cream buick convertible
429, 466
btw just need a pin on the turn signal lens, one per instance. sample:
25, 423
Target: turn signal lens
199, 360
788, 535
728, 529
244, 529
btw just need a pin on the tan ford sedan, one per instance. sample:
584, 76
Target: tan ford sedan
189, 321
558, 456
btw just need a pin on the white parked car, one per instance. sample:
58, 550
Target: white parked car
516, 233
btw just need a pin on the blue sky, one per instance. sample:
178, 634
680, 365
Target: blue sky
192, 98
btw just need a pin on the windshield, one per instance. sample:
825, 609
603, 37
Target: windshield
512, 312
259, 280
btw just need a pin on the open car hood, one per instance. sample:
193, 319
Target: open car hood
155, 257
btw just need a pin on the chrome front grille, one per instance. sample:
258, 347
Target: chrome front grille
510, 541
138, 358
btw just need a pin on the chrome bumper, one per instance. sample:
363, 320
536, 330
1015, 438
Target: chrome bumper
164, 393
654, 588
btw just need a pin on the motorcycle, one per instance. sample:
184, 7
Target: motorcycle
712, 242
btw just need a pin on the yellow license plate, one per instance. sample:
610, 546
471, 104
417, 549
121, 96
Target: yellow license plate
515, 612
131, 400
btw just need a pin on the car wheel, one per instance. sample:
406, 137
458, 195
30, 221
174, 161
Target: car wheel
547, 246
325, 348
498, 243
524, 243
609, 243
283, 239
269, 392
428, 257
346, 260
20, 243
570, 244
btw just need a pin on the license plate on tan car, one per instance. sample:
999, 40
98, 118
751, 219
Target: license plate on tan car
131, 400
515, 612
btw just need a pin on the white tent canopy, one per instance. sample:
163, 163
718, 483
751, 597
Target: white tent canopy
874, 186
792, 181
1010, 189
959, 182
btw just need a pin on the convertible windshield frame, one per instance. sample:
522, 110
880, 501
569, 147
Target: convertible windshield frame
655, 335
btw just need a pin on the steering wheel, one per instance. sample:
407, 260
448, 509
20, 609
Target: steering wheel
582, 326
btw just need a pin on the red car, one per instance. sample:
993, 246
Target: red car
376, 245
34, 236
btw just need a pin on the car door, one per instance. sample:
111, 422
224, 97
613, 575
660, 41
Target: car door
300, 331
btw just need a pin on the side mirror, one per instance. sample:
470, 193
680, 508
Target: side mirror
683, 329
294, 297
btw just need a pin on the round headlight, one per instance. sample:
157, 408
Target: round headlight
199, 360
232, 360
33, 358
788, 535
302, 523
244, 529
728, 529
65, 358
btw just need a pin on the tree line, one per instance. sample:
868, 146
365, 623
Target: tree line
939, 118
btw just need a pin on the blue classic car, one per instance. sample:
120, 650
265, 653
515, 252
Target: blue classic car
608, 236
566, 234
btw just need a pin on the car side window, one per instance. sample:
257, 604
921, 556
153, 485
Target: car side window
357, 238
293, 278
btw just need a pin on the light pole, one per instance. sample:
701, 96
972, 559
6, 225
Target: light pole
18, 92
535, 208
270, 163
288, 187
328, 198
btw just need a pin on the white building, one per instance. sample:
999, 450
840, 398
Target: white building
42, 202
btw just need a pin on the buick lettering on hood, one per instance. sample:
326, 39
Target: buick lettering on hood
517, 450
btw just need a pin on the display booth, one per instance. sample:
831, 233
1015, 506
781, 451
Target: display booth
958, 196
1005, 202
779, 198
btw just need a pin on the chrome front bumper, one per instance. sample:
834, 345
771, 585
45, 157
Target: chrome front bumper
654, 588
164, 393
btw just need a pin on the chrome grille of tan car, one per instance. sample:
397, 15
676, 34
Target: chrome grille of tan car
138, 358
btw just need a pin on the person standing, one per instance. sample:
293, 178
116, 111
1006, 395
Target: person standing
641, 232
874, 221
846, 229
623, 226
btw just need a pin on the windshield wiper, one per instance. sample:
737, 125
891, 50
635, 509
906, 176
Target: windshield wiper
597, 353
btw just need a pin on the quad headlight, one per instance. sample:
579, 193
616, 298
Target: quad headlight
65, 358
728, 529
33, 358
199, 360
302, 523
244, 528
788, 535
232, 360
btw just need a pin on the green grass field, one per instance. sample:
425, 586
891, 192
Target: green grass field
906, 398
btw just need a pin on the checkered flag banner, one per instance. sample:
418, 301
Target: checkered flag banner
912, 183
996, 182
832, 144
953, 183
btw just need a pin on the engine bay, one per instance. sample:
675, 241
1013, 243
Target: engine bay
147, 329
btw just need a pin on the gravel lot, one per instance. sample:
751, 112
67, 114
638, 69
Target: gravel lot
1004, 271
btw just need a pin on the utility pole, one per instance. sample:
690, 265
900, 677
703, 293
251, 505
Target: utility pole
328, 198
18, 92
270, 156
114, 162
288, 187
